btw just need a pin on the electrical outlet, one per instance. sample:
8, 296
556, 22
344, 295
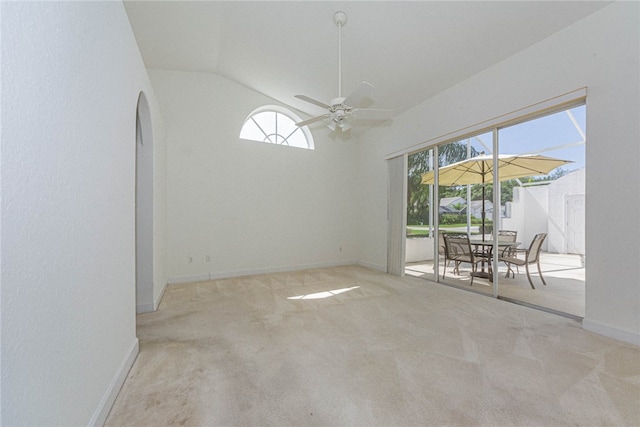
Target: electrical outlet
189, 259
207, 258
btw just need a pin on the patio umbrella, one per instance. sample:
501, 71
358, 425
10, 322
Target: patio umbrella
479, 170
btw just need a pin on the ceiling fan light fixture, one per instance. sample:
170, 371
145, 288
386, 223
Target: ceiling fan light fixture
344, 125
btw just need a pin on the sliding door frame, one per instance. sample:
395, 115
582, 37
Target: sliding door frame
563, 102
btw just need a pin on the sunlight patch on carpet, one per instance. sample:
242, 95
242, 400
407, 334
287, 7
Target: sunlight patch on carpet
325, 294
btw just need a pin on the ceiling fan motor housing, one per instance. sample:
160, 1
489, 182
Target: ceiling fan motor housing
337, 104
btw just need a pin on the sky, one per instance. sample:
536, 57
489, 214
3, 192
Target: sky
548, 132
544, 135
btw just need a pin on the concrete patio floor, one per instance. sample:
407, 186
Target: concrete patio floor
564, 274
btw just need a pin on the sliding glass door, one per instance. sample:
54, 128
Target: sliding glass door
450, 191
550, 206
460, 209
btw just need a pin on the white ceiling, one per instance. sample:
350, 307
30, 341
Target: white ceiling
409, 51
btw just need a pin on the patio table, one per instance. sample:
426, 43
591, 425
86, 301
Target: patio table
488, 254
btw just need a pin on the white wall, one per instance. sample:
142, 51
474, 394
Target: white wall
542, 209
568, 185
600, 52
530, 214
372, 196
251, 207
72, 74
419, 249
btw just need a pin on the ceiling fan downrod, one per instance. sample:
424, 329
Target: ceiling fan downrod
340, 19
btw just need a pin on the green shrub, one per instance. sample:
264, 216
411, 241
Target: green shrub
449, 218
418, 218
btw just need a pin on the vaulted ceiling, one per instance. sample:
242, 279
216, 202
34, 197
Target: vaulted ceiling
409, 51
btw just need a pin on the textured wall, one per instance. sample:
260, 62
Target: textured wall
72, 74
249, 206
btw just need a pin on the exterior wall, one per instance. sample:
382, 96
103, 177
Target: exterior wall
568, 185
578, 56
72, 74
529, 215
419, 249
542, 209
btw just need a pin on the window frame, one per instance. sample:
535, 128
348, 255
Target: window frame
288, 114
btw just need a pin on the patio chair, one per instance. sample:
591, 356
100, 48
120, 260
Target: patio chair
442, 251
458, 250
509, 236
531, 256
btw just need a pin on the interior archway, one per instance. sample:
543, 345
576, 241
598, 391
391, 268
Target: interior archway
144, 207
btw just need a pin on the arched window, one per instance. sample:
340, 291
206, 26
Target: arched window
276, 125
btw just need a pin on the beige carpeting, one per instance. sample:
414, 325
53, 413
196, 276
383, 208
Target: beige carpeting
564, 274
350, 346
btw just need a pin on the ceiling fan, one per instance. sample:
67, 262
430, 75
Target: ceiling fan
341, 110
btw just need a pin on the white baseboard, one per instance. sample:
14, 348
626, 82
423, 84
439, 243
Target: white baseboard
612, 332
151, 307
188, 279
281, 269
102, 411
378, 267
158, 298
252, 272
144, 308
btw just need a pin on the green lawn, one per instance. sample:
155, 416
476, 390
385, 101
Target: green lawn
418, 232
423, 230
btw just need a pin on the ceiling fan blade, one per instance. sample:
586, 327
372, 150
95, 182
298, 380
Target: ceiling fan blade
312, 120
362, 91
372, 113
313, 101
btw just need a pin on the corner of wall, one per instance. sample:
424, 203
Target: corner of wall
108, 399
158, 297
151, 307
611, 332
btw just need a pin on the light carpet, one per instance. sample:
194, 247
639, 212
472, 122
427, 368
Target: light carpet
350, 346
